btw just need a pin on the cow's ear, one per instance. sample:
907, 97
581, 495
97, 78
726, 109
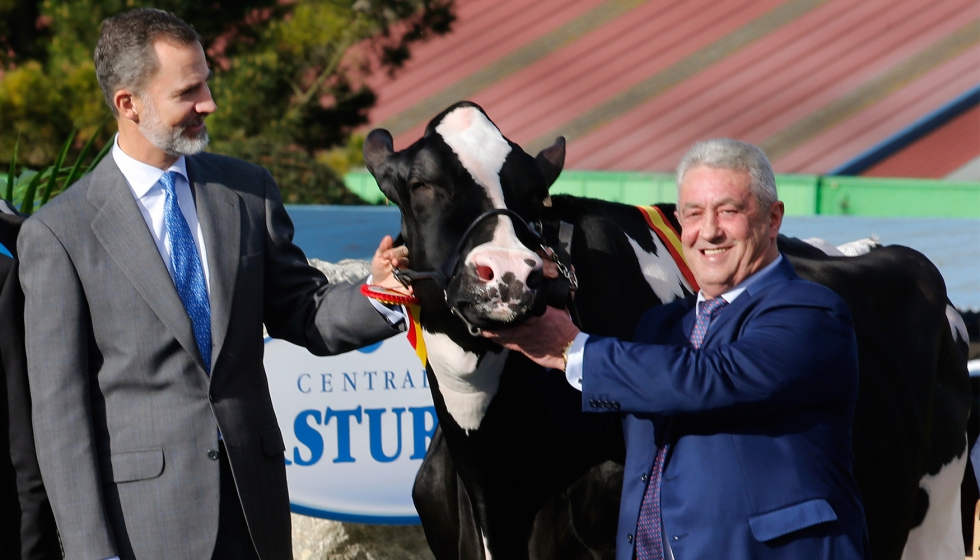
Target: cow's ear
377, 147
551, 160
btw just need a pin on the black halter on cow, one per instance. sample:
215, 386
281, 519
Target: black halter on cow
502, 479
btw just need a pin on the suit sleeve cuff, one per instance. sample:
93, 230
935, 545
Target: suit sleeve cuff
576, 353
394, 314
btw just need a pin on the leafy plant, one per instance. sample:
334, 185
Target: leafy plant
22, 190
291, 77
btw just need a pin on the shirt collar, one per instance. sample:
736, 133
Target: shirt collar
143, 177
730, 295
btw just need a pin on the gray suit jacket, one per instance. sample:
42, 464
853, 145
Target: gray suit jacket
125, 416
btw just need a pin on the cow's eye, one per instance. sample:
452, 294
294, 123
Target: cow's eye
415, 185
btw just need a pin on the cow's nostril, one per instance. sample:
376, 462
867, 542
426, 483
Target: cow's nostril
485, 273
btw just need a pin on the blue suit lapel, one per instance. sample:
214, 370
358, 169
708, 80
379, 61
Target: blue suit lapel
687, 323
782, 273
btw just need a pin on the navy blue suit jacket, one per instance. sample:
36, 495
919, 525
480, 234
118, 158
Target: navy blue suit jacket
759, 422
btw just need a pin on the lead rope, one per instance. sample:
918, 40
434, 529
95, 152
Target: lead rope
561, 295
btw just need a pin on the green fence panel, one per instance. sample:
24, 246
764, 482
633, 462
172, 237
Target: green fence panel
804, 195
573, 184
619, 186
798, 193
362, 184
871, 196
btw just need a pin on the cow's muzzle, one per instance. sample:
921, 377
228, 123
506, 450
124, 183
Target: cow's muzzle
506, 301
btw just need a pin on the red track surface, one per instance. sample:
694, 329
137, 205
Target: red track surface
766, 92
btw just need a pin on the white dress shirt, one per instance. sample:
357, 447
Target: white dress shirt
144, 182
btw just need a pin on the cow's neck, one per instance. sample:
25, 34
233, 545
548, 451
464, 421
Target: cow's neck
467, 379
659, 269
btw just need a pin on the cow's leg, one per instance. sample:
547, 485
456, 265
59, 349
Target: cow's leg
939, 535
435, 494
970, 489
580, 523
444, 506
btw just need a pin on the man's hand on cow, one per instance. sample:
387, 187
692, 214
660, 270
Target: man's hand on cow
542, 339
548, 265
386, 259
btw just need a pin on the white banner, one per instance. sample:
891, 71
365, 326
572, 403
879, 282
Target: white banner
356, 427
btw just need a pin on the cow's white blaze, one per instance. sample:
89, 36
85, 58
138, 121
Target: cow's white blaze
480, 147
940, 535
482, 151
660, 271
467, 382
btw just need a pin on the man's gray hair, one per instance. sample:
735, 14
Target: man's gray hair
124, 56
726, 153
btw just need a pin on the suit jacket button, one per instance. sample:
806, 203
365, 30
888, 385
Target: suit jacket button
629, 538
615, 405
213, 454
644, 477
593, 403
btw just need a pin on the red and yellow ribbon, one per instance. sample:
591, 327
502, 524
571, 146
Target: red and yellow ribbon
658, 222
411, 304
415, 332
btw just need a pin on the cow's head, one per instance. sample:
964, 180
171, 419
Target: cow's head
445, 184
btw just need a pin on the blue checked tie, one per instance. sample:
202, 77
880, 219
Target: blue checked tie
188, 272
649, 527
707, 311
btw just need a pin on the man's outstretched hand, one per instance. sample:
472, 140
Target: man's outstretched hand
386, 259
542, 339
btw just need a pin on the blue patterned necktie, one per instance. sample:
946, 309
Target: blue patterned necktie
649, 527
707, 311
188, 272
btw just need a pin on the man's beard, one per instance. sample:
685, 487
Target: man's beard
172, 139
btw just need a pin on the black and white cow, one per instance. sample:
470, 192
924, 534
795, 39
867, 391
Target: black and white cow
502, 480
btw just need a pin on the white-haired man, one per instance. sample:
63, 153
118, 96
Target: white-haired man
737, 403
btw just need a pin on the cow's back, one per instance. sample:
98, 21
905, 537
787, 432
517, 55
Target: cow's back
913, 400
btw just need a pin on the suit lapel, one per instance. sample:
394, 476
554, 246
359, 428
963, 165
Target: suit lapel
220, 217
687, 322
120, 228
783, 272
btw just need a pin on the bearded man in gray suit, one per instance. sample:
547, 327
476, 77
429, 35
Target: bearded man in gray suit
147, 285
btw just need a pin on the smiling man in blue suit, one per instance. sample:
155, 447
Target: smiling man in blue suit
737, 403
